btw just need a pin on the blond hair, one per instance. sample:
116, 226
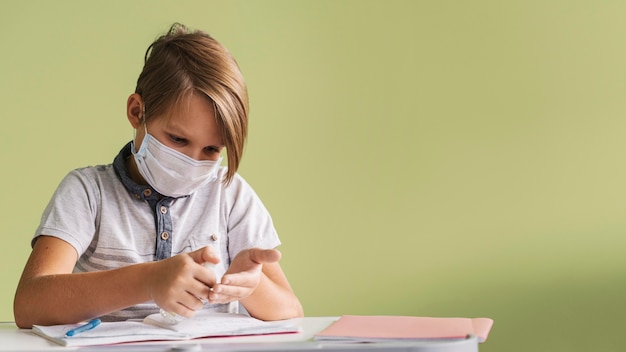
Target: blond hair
182, 62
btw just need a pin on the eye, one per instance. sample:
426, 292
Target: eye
212, 150
177, 140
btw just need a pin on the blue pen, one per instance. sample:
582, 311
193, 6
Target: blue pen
90, 325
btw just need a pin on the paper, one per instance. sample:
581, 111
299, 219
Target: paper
155, 328
374, 328
221, 324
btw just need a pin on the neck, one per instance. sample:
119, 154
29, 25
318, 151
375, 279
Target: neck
134, 171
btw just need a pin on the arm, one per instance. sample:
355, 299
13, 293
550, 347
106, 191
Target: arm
256, 279
49, 293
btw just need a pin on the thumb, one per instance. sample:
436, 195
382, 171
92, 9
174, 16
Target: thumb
203, 255
264, 256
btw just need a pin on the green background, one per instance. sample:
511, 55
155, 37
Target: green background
433, 158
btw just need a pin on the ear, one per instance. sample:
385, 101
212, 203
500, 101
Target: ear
134, 110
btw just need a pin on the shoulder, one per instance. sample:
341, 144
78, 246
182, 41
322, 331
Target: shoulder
240, 195
90, 178
238, 186
96, 171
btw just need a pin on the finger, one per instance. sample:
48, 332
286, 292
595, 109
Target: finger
183, 307
202, 286
183, 311
203, 255
264, 256
228, 293
191, 302
205, 279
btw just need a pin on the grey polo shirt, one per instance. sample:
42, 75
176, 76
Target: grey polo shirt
112, 222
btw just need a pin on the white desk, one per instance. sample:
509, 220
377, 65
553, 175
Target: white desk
14, 339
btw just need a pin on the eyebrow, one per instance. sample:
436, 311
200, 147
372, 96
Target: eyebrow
174, 129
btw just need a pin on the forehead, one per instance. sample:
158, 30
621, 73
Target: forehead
193, 114
191, 102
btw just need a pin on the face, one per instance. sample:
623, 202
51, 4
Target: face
190, 128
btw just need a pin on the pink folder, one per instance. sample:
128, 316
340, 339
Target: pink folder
369, 328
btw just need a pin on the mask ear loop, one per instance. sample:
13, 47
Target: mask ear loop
142, 119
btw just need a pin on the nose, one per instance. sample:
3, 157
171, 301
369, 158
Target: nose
195, 155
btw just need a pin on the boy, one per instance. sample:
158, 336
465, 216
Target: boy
120, 241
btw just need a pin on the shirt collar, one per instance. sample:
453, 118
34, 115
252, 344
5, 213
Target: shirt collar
141, 192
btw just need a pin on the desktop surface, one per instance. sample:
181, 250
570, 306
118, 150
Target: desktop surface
14, 339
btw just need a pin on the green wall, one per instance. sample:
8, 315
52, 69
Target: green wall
439, 158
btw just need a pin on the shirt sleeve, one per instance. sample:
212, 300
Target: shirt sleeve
249, 222
70, 215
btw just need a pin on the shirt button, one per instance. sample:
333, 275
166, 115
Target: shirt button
165, 236
163, 210
147, 192
213, 237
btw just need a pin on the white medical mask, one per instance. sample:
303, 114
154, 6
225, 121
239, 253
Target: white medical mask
171, 172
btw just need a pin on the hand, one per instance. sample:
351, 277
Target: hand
178, 284
243, 275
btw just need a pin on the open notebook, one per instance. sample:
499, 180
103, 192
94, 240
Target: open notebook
376, 328
154, 328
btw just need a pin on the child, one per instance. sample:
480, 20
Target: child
120, 241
